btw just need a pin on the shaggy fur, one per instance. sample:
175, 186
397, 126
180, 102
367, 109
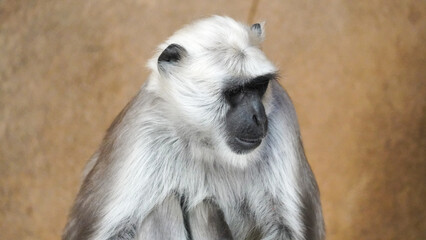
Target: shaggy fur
164, 170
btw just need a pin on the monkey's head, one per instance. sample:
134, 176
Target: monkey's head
215, 78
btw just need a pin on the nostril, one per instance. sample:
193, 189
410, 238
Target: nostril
256, 120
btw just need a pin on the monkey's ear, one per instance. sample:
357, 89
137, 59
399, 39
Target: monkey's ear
259, 30
171, 55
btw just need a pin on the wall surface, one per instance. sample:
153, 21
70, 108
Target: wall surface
356, 71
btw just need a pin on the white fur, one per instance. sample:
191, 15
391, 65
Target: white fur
192, 94
171, 139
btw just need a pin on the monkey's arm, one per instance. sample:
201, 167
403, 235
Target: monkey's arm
164, 222
292, 211
127, 179
311, 211
103, 211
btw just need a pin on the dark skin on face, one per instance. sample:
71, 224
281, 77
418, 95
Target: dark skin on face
246, 120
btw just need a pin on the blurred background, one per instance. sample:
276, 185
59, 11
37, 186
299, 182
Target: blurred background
356, 71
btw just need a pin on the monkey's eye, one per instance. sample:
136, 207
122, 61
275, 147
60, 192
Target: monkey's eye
233, 95
260, 85
233, 92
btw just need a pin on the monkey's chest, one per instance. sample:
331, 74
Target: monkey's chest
227, 213
220, 222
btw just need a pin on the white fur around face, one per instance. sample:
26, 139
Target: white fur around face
219, 51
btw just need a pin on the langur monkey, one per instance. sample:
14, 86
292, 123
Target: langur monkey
209, 148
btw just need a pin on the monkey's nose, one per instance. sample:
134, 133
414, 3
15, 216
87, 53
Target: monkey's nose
261, 121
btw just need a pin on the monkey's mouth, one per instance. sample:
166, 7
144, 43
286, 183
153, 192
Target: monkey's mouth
249, 142
242, 145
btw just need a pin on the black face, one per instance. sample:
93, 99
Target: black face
246, 121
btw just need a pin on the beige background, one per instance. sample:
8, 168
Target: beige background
356, 71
